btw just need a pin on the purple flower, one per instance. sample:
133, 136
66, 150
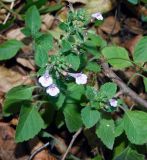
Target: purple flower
97, 15
113, 102
79, 77
45, 80
53, 90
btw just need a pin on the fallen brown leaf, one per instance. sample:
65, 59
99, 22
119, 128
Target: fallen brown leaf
42, 155
131, 43
26, 63
8, 147
15, 34
100, 6
110, 26
133, 25
60, 145
10, 79
47, 21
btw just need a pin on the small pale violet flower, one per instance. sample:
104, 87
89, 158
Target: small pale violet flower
53, 90
113, 102
45, 80
79, 77
97, 15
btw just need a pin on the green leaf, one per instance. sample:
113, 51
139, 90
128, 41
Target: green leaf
74, 91
15, 97
66, 46
91, 92
42, 45
30, 123
41, 56
95, 40
140, 53
117, 57
94, 67
9, 49
74, 61
45, 41
108, 90
130, 154
133, 1
145, 83
20, 93
51, 8
119, 127
90, 117
60, 101
92, 50
32, 20
72, 117
105, 131
145, 1
48, 115
134, 126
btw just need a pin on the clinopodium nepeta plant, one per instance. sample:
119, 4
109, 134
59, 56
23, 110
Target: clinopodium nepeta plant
67, 92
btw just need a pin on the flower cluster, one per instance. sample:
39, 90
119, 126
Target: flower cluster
51, 89
47, 82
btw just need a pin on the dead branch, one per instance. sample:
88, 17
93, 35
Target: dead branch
71, 143
125, 89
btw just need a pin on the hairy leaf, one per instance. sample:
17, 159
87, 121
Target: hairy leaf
30, 123
9, 49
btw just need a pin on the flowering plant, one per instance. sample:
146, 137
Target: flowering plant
67, 90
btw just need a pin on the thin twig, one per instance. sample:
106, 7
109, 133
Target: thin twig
8, 15
126, 90
71, 143
10, 10
38, 150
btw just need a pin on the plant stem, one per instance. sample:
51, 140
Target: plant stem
126, 90
71, 143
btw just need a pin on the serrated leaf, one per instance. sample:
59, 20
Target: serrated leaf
105, 131
32, 20
108, 89
41, 56
45, 41
74, 91
130, 154
72, 117
91, 92
140, 53
20, 92
134, 126
119, 127
66, 46
43, 44
90, 117
94, 67
74, 61
9, 49
15, 97
30, 123
117, 57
